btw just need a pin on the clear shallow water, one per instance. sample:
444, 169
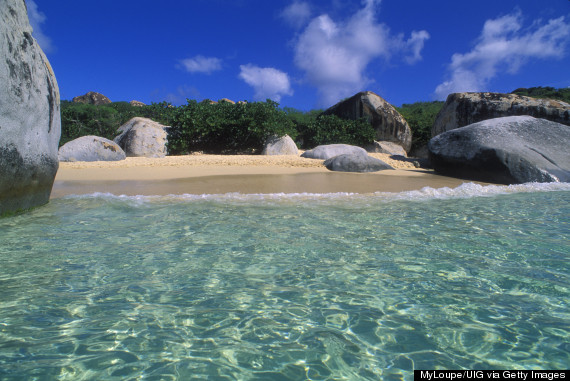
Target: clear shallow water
287, 287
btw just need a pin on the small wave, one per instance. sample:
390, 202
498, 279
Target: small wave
466, 190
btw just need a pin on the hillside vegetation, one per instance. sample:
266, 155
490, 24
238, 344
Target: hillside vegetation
78, 119
216, 127
545, 92
420, 117
243, 128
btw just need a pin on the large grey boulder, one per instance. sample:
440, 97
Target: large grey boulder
355, 163
389, 124
142, 137
462, 109
509, 150
92, 98
327, 151
91, 148
280, 146
30, 124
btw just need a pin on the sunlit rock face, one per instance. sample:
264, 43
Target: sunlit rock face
91, 148
30, 124
509, 150
142, 137
388, 123
283, 145
462, 109
92, 98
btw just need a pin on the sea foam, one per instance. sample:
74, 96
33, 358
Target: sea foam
466, 190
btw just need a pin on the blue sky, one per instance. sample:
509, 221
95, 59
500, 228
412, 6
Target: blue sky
303, 54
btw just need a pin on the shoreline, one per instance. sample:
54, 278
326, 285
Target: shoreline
261, 183
247, 174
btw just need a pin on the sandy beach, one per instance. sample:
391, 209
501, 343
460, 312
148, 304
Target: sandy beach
218, 174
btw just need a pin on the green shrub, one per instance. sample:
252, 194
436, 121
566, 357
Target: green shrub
301, 118
162, 112
330, 129
226, 127
79, 119
420, 117
236, 128
562, 94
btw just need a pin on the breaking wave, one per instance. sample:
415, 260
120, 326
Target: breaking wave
466, 190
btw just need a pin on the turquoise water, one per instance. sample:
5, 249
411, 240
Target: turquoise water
287, 287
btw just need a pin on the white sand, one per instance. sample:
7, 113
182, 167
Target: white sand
199, 174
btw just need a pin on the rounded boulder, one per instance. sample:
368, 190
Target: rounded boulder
280, 146
327, 151
142, 137
355, 163
91, 148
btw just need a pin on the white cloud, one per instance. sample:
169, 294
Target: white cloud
504, 46
334, 55
201, 64
37, 18
297, 14
267, 82
414, 45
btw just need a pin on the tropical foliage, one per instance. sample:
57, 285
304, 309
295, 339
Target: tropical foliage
420, 117
78, 119
243, 128
562, 94
330, 129
216, 127
226, 127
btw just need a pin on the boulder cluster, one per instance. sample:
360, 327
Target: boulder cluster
463, 109
346, 158
502, 138
139, 137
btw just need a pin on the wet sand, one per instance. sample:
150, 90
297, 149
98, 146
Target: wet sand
216, 174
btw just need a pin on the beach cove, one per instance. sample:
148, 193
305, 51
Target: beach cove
122, 261
247, 174
239, 267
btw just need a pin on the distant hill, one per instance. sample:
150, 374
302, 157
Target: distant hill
545, 92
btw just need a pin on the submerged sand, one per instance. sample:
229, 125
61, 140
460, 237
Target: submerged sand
218, 174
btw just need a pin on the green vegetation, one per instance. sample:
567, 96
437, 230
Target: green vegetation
330, 129
78, 119
420, 117
243, 128
315, 129
226, 127
301, 119
216, 127
562, 94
